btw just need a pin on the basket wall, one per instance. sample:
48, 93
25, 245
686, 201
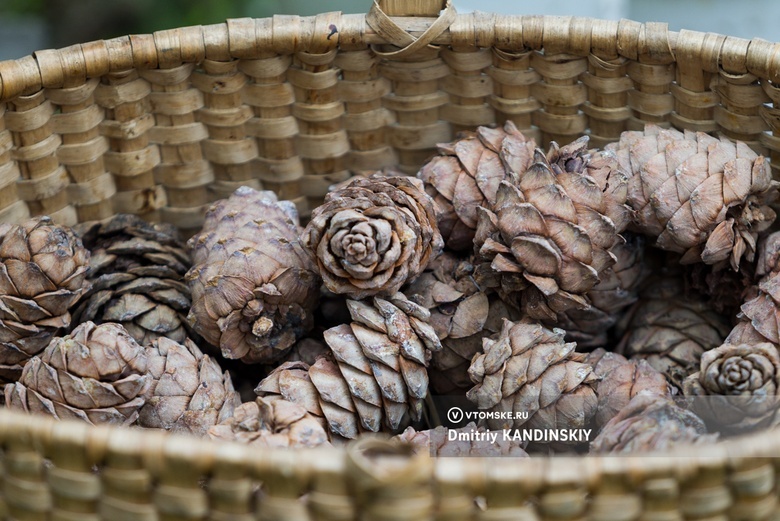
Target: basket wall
163, 124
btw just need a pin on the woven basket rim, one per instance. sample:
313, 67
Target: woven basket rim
247, 38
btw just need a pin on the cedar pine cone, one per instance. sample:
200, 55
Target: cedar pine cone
529, 368
672, 331
650, 423
703, 197
254, 289
376, 379
189, 391
373, 236
616, 291
547, 239
43, 270
737, 387
95, 374
137, 273
466, 174
271, 422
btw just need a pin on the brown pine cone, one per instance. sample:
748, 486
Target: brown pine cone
616, 291
254, 288
737, 387
529, 368
547, 240
373, 236
672, 331
137, 273
620, 383
189, 391
703, 197
470, 441
271, 422
460, 315
96, 374
466, 173
651, 423
376, 379
43, 270
760, 316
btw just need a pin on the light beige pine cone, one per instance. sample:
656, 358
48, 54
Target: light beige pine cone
189, 392
737, 387
272, 422
703, 197
137, 274
43, 270
546, 241
96, 374
373, 236
254, 289
528, 368
466, 174
376, 379
650, 423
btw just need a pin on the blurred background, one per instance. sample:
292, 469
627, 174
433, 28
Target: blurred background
30, 25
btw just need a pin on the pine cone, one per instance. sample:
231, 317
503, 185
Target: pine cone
546, 241
650, 423
671, 331
373, 236
620, 384
737, 387
254, 288
471, 441
137, 273
460, 315
271, 422
703, 197
95, 374
616, 291
189, 392
724, 290
43, 271
529, 368
760, 316
377, 378
466, 174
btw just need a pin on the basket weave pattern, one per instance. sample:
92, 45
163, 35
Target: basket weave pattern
162, 125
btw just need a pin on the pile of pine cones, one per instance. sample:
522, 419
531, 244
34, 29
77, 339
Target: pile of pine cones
632, 291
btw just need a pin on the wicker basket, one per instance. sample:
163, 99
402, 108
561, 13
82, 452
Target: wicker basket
163, 124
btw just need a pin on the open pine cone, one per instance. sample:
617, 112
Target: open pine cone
466, 174
271, 422
95, 374
547, 239
703, 197
376, 379
530, 369
137, 273
254, 289
373, 236
650, 423
43, 270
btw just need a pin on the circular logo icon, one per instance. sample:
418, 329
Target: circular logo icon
455, 415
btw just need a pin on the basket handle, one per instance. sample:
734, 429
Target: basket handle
380, 21
412, 7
